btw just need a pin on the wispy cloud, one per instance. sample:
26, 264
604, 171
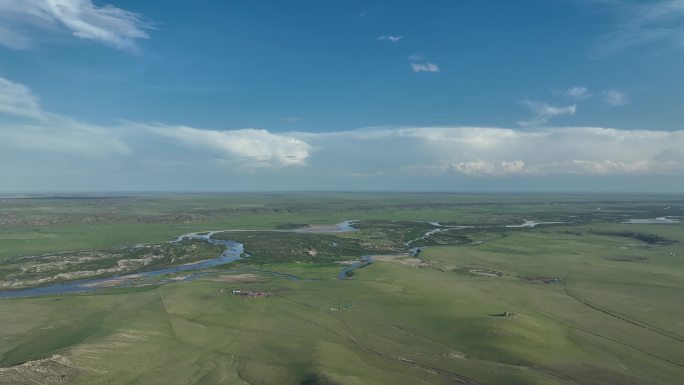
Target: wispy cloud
31, 20
424, 67
391, 38
16, 99
61, 137
578, 93
290, 119
543, 112
416, 57
643, 23
615, 98
14, 39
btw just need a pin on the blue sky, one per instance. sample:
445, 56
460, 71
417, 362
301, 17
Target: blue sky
271, 95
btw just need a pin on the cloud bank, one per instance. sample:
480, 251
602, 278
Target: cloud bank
510, 152
40, 149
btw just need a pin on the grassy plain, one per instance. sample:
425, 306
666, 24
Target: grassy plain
586, 303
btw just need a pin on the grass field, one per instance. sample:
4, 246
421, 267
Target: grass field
591, 301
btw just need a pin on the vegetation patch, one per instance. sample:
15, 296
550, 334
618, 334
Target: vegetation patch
292, 226
545, 280
626, 258
270, 246
651, 239
442, 238
318, 379
478, 271
392, 235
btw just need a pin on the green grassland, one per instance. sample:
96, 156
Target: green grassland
44, 225
592, 301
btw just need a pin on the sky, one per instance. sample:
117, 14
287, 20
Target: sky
269, 95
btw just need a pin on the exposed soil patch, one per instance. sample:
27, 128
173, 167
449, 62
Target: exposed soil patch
478, 271
241, 278
401, 259
114, 281
48, 371
249, 293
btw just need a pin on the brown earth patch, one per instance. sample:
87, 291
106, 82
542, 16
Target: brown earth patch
401, 259
48, 371
239, 278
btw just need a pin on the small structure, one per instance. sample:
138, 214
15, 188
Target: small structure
250, 293
506, 314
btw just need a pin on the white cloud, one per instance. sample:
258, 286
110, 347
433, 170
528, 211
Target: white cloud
483, 168
105, 24
75, 155
578, 93
513, 166
603, 167
615, 98
476, 167
543, 112
499, 151
424, 67
16, 99
51, 133
156, 155
416, 57
391, 38
258, 147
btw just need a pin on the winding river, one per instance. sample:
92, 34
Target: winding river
347, 272
233, 251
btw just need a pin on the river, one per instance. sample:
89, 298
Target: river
233, 251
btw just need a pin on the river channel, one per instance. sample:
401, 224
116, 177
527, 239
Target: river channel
233, 251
